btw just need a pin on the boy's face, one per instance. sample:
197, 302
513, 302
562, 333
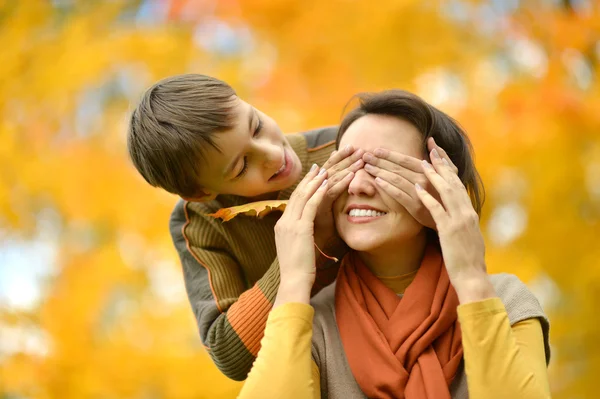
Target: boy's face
254, 158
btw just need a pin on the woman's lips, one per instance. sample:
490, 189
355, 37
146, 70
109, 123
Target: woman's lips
364, 214
287, 169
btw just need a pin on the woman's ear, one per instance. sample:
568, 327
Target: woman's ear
202, 196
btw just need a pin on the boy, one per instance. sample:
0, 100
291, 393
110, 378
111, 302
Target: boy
192, 136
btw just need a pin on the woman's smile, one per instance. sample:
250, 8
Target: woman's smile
362, 213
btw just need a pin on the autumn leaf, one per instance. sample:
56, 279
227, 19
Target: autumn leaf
258, 209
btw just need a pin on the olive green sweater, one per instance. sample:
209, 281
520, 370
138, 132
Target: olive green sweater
231, 270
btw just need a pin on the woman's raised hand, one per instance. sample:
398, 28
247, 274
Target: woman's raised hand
457, 225
397, 174
294, 238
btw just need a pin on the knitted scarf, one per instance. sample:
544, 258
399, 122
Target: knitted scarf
407, 347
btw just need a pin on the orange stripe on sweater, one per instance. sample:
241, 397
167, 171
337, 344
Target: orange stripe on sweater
248, 317
187, 244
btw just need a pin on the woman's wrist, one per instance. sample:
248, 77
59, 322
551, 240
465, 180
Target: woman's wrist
473, 287
294, 288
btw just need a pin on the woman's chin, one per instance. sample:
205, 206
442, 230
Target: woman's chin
362, 243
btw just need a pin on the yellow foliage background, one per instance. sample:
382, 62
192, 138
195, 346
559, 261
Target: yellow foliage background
92, 302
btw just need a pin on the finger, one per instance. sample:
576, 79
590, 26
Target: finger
312, 205
348, 162
401, 196
335, 190
408, 173
439, 215
314, 171
334, 178
398, 180
444, 169
303, 192
447, 192
431, 145
337, 156
403, 160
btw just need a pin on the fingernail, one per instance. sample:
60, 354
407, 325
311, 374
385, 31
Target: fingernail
369, 158
378, 153
322, 171
378, 180
445, 162
358, 163
369, 167
347, 148
435, 154
324, 183
313, 167
418, 187
426, 164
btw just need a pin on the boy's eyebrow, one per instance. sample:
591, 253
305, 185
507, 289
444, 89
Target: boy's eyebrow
235, 161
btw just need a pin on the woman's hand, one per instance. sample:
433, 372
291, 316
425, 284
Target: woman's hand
340, 168
397, 174
457, 224
294, 238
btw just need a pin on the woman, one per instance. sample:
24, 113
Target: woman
413, 312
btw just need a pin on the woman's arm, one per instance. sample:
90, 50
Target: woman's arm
283, 367
500, 361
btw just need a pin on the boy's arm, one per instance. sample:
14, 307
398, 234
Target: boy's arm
231, 318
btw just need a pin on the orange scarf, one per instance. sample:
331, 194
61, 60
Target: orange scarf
407, 347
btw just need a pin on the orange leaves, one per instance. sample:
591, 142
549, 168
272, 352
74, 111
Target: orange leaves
258, 209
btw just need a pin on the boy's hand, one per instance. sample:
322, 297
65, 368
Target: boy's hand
340, 168
294, 238
397, 175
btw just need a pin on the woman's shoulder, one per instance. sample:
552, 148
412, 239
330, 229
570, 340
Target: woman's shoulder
520, 303
324, 305
518, 299
324, 301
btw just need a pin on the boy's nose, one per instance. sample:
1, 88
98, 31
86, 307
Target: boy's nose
272, 155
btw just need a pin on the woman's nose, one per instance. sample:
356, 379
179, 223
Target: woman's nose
362, 184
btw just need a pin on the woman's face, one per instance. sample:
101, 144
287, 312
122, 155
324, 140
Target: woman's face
366, 217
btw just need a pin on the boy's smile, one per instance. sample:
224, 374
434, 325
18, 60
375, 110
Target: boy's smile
251, 159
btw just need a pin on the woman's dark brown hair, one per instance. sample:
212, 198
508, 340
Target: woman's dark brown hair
431, 122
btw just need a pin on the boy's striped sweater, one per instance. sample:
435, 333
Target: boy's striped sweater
231, 270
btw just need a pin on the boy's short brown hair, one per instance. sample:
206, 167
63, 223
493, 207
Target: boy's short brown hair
172, 125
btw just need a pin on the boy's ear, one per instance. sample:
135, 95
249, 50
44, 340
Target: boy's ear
202, 196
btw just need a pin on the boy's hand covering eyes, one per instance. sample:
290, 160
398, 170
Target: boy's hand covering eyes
397, 175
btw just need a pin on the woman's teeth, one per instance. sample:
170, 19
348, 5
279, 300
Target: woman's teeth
365, 213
